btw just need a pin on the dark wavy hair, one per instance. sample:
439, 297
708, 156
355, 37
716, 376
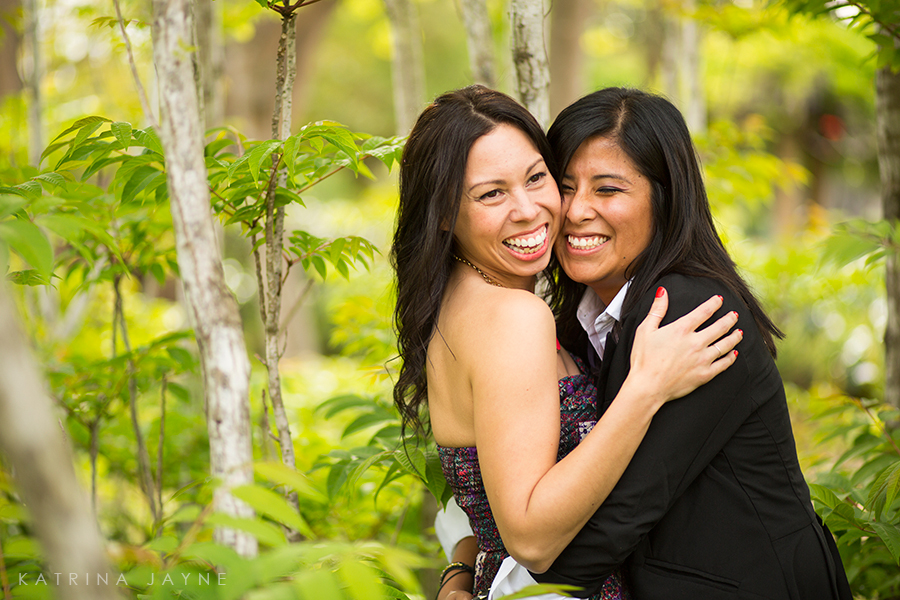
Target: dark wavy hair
652, 132
432, 174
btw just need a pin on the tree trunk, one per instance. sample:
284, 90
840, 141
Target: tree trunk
250, 80
10, 42
33, 73
887, 109
408, 68
31, 439
210, 60
682, 68
530, 57
693, 95
479, 40
212, 307
567, 19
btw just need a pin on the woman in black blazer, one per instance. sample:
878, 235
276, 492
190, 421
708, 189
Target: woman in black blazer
713, 505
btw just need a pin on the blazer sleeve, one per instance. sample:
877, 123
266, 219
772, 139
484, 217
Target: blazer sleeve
683, 437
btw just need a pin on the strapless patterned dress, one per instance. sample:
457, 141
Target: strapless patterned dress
578, 413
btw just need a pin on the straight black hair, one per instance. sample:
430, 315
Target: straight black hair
653, 134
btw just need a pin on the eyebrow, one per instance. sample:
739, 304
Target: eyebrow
600, 176
502, 181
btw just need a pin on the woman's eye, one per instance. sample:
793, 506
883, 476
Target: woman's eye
608, 190
567, 190
537, 177
489, 195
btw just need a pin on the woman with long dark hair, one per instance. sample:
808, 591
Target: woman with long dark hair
479, 211
713, 504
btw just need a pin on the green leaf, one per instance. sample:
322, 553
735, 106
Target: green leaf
885, 490
412, 459
79, 124
270, 504
890, 535
54, 179
142, 178
30, 243
281, 474
260, 153
360, 579
148, 139
317, 584
266, 533
122, 131
11, 203
541, 588
335, 405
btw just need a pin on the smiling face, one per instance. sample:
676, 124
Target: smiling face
609, 217
510, 209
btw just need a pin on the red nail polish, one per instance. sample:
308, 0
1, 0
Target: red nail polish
741, 331
735, 352
720, 298
734, 312
660, 291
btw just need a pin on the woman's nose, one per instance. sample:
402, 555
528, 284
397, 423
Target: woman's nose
526, 207
577, 207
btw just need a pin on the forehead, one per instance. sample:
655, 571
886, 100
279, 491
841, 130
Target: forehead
505, 149
599, 153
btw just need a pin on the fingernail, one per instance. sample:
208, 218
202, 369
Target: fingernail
660, 291
720, 298
734, 312
735, 352
741, 331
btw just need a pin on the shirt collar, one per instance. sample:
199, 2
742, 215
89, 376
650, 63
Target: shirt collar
597, 319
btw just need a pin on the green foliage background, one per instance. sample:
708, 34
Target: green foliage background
87, 236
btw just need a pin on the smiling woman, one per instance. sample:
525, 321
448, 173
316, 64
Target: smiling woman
513, 414
609, 219
509, 212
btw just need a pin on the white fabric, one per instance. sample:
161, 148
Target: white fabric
511, 578
598, 319
451, 525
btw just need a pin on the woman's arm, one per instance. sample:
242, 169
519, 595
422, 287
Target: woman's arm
539, 504
684, 438
460, 585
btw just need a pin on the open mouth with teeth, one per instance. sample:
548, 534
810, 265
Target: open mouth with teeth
586, 243
529, 244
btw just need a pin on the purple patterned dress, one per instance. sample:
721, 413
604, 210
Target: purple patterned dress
577, 395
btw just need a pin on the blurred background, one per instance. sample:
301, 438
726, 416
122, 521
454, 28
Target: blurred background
782, 107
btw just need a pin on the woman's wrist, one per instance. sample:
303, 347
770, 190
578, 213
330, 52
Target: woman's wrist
643, 393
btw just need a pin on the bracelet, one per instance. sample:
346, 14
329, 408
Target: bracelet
451, 571
456, 566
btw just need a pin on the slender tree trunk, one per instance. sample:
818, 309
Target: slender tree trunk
250, 80
33, 73
10, 42
530, 57
887, 109
479, 40
273, 286
694, 95
210, 60
567, 19
42, 461
212, 307
408, 68
682, 66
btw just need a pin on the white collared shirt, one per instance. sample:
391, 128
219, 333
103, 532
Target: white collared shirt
597, 319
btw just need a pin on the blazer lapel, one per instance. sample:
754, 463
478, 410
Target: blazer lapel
608, 352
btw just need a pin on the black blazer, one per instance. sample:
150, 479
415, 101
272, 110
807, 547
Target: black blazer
713, 505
